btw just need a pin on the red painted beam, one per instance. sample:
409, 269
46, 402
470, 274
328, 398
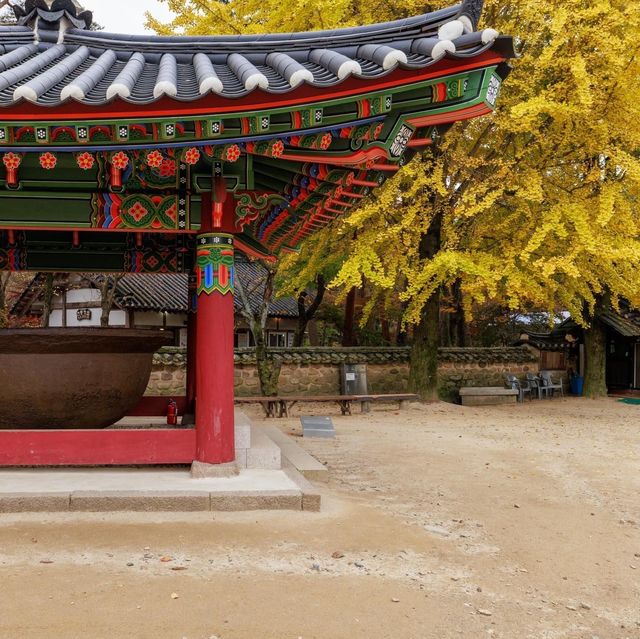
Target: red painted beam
417, 143
96, 447
391, 168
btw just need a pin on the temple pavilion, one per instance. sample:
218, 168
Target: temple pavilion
145, 154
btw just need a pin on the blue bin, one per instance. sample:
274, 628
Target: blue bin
577, 385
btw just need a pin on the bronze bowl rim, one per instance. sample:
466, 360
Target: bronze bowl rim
59, 340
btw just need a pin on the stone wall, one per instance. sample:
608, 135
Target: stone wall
316, 371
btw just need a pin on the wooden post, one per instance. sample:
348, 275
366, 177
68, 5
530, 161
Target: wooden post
215, 432
191, 346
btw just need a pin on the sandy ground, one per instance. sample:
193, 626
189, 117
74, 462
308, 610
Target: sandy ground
439, 521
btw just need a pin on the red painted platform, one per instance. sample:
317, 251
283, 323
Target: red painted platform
156, 406
97, 447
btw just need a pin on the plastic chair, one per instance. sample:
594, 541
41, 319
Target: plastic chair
515, 384
549, 385
535, 383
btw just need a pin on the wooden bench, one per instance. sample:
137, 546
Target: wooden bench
279, 406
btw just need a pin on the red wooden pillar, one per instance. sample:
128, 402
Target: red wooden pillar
191, 345
215, 432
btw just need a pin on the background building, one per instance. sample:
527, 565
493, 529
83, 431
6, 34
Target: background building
150, 301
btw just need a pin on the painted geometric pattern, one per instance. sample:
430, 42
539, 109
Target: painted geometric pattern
156, 254
214, 264
148, 132
13, 254
138, 212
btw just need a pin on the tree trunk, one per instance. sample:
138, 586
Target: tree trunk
386, 331
314, 339
47, 300
108, 294
105, 302
348, 332
423, 371
402, 337
595, 346
4, 311
456, 321
268, 368
305, 315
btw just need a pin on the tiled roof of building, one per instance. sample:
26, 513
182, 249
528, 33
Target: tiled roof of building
551, 341
52, 56
625, 322
166, 293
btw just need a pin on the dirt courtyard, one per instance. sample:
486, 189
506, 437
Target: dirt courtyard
438, 521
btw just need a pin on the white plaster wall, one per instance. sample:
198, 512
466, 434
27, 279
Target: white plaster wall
174, 320
82, 296
116, 318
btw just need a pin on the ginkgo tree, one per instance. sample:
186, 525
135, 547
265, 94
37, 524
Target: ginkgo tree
535, 205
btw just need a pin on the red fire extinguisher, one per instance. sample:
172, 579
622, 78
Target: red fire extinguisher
172, 413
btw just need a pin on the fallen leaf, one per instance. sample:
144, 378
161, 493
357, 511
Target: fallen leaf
337, 554
178, 567
166, 558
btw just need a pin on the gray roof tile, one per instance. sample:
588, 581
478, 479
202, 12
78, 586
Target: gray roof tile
95, 67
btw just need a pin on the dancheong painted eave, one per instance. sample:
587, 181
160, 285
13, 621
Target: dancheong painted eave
116, 143
51, 57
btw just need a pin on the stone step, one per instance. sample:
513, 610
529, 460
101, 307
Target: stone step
299, 458
264, 452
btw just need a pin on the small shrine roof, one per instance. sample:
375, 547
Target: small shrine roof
51, 55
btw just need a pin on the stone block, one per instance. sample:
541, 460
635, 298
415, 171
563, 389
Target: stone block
274, 500
311, 498
488, 396
294, 456
264, 453
202, 470
241, 458
242, 431
103, 501
34, 502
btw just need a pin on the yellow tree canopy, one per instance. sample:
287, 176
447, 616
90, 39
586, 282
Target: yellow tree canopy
202, 17
538, 202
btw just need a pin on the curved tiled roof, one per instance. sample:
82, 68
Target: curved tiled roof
162, 292
168, 292
52, 56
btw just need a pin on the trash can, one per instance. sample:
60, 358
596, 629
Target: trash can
353, 378
576, 384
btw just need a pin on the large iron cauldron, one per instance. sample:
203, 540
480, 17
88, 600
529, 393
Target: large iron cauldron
73, 378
